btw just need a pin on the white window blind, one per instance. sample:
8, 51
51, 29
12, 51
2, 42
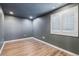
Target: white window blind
65, 22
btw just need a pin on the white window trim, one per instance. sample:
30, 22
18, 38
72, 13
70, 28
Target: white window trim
75, 33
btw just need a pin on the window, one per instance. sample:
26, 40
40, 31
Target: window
65, 22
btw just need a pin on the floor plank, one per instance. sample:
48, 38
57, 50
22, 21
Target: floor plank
30, 47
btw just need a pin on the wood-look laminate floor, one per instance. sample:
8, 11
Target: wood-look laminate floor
30, 47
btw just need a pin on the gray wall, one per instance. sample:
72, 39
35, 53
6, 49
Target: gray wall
15, 28
1, 27
41, 27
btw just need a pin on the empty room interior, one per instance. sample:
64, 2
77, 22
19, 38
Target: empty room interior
39, 29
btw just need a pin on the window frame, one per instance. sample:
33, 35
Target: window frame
75, 32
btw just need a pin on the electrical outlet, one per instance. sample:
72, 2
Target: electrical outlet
24, 35
43, 37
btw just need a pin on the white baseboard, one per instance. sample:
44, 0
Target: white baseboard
61, 49
17, 40
2, 48
40, 41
